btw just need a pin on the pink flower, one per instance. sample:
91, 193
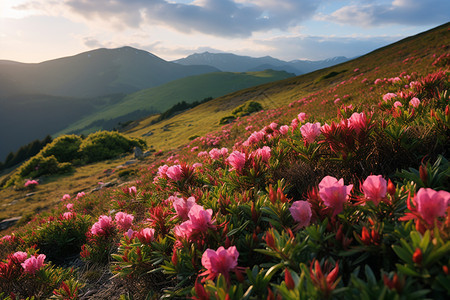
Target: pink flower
414, 102
337, 100
162, 171
273, 126
357, 121
389, 96
302, 117
255, 137
65, 197
398, 104
132, 190
69, 206
263, 153
182, 207
237, 160
124, 220
334, 193
378, 81
68, 215
375, 188
310, 131
79, 195
284, 129
200, 218
33, 264
432, 204
202, 154
197, 165
214, 153
224, 151
146, 235
19, 256
7, 238
301, 212
175, 172
184, 230
103, 226
294, 124
129, 233
31, 183
221, 261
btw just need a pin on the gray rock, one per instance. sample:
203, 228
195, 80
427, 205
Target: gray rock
8, 222
138, 152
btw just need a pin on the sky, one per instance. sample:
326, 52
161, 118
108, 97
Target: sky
33, 31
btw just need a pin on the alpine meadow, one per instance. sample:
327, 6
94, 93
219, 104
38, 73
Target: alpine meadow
328, 185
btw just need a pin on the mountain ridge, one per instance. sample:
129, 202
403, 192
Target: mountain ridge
93, 73
229, 62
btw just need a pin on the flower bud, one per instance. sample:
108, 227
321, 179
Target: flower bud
290, 284
391, 188
423, 174
270, 240
417, 256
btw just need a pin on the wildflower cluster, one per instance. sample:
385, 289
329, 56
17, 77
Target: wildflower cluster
297, 207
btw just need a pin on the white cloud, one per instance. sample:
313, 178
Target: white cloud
406, 12
227, 18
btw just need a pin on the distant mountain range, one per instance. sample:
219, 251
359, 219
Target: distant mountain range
235, 63
91, 90
93, 73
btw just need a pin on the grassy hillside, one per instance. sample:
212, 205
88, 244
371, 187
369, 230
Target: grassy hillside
161, 98
339, 188
315, 91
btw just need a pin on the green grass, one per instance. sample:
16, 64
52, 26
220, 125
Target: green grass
189, 89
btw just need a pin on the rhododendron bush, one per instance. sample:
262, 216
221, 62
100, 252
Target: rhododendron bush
301, 208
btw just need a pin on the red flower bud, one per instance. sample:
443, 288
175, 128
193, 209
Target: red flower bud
290, 284
391, 188
200, 291
365, 236
445, 269
447, 110
239, 275
417, 256
272, 194
270, 295
254, 213
174, 257
375, 236
423, 174
270, 241
339, 233
331, 277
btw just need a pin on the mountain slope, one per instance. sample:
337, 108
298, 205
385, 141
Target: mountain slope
313, 93
158, 99
235, 63
93, 73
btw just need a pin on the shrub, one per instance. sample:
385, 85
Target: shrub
64, 148
105, 145
40, 165
247, 108
240, 111
61, 238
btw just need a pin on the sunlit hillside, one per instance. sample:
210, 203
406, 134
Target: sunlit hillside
329, 185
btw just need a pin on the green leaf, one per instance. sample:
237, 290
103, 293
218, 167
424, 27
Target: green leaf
407, 271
